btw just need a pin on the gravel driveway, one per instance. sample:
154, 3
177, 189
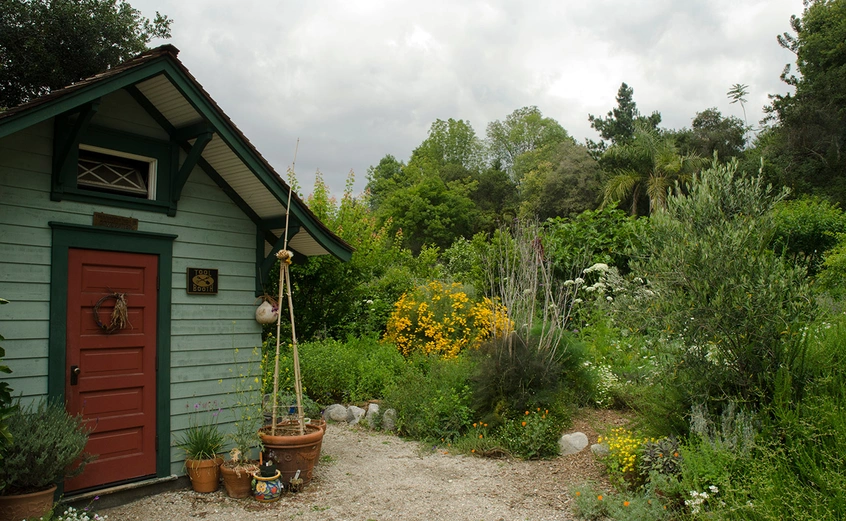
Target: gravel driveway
380, 477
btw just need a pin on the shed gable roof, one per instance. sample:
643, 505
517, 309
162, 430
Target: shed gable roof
162, 85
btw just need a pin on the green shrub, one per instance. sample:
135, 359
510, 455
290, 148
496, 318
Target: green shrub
46, 444
357, 370
463, 261
534, 435
432, 398
796, 471
606, 235
832, 276
736, 307
334, 299
593, 504
7, 407
806, 228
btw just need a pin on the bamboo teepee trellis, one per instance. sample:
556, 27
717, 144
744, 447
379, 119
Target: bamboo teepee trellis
285, 258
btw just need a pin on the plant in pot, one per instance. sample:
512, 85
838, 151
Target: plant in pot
294, 446
238, 471
286, 403
47, 445
202, 441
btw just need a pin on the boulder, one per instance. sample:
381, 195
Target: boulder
573, 443
336, 413
371, 417
354, 414
599, 449
389, 420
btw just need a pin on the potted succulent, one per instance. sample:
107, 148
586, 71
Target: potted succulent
47, 446
202, 442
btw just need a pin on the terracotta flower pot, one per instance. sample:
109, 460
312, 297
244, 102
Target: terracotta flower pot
204, 474
237, 481
26, 506
292, 451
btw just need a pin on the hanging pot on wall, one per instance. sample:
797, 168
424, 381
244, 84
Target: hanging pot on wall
268, 310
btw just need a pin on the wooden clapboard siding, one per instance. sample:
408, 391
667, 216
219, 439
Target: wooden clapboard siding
119, 111
212, 232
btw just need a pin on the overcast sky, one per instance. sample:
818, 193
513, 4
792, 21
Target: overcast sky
355, 80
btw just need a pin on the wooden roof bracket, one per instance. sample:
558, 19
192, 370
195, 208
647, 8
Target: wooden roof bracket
66, 144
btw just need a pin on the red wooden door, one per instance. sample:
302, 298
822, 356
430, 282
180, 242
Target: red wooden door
115, 383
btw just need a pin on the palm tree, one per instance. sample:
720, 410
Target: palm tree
648, 165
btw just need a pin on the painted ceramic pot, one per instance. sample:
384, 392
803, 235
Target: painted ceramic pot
269, 489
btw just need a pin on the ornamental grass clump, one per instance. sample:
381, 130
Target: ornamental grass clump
202, 439
444, 320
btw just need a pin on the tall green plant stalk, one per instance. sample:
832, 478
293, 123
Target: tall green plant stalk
520, 275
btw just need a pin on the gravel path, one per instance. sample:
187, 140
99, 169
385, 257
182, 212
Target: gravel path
380, 477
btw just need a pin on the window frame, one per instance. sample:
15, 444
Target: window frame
118, 143
152, 167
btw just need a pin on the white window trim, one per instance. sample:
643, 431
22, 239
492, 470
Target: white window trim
151, 177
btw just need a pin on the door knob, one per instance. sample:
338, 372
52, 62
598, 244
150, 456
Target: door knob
75, 370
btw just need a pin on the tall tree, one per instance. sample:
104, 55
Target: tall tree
524, 130
710, 133
49, 44
430, 212
384, 178
496, 198
651, 165
737, 94
452, 142
567, 182
810, 140
618, 126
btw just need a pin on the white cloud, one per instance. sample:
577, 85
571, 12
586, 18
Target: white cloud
358, 80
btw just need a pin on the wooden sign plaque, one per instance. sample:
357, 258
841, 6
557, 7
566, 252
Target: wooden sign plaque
201, 281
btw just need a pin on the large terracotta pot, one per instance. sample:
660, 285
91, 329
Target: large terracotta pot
25, 506
204, 474
291, 451
237, 481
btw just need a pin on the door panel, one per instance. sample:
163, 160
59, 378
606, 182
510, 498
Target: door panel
116, 386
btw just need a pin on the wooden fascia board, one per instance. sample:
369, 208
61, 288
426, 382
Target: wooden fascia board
87, 94
198, 100
231, 137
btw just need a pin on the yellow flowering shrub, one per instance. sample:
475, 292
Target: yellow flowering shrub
442, 319
624, 450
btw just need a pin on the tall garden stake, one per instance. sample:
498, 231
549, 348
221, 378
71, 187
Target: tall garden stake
285, 257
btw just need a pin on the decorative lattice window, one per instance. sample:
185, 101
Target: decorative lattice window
101, 170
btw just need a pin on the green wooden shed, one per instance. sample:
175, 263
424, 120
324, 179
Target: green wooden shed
135, 182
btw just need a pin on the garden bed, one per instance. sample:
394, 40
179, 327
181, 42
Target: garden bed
367, 475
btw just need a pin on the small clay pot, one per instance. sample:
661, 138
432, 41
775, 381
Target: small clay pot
204, 474
238, 480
